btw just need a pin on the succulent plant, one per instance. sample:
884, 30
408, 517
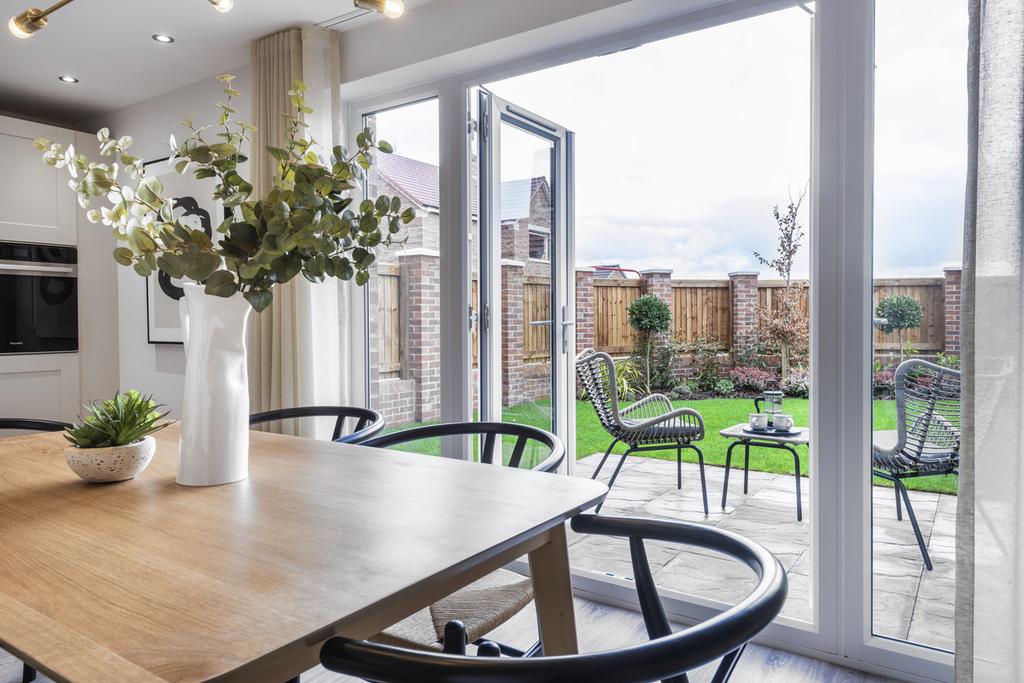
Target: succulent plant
119, 421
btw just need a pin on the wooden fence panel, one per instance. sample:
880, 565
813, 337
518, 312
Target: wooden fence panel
931, 335
612, 332
702, 309
389, 321
536, 307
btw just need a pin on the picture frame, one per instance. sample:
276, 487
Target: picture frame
195, 205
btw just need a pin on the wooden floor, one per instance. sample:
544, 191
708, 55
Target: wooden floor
602, 627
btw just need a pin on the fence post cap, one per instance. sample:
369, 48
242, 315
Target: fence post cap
952, 269
512, 263
585, 269
656, 271
737, 273
419, 251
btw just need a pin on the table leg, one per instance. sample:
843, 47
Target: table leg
552, 593
746, 466
796, 471
728, 460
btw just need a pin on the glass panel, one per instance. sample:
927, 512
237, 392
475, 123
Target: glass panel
675, 188
404, 302
527, 210
920, 170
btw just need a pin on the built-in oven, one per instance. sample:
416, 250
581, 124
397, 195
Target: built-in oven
38, 298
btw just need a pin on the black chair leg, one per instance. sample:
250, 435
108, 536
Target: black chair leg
679, 468
913, 522
728, 463
615, 474
899, 505
728, 665
796, 475
605, 457
703, 481
454, 638
28, 674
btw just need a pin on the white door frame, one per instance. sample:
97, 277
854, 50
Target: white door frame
492, 112
841, 270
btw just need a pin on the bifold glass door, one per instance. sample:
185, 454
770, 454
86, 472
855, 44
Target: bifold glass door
525, 315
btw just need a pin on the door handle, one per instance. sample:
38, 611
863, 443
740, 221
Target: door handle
539, 323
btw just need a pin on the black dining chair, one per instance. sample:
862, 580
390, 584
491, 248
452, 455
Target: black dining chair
666, 657
31, 425
367, 422
468, 614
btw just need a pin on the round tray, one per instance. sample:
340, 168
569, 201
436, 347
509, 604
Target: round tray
771, 431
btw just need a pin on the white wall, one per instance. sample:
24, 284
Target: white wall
158, 369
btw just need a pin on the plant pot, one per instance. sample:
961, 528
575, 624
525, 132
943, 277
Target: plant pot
214, 446
114, 463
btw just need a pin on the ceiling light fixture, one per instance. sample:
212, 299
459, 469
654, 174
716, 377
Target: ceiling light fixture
163, 38
392, 9
67, 79
31, 20
222, 6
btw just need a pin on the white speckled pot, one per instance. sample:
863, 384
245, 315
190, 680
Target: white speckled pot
115, 463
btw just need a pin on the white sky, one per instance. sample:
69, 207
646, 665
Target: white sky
684, 145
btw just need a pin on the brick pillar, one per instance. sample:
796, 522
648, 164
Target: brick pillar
586, 334
421, 290
951, 296
743, 286
658, 281
512, 374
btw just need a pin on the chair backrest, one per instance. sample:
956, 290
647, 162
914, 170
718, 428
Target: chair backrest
667, 656
491, 431
32, 424
927, 408
367, 422
596, 372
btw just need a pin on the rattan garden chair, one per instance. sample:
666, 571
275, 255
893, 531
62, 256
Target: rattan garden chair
650, 424
928, 433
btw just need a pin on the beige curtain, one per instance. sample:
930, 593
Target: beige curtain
990, 505
297, 347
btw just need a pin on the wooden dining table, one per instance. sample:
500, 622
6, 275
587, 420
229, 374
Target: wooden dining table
146, 580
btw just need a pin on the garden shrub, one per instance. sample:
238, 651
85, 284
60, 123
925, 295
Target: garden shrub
950, 361
681, 392
725, 387
899, 313
883, 384
797, 385
651, 318
705, 354
751, 379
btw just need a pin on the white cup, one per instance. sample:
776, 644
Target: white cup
783, 422
758, 420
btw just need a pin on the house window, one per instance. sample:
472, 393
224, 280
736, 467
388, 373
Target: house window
540, 244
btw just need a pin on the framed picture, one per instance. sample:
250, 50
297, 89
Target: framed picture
196, 208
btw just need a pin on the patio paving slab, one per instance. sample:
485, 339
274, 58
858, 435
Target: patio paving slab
909, 601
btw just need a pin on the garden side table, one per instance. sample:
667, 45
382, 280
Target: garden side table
740, 437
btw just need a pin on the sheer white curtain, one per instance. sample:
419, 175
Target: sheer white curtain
990, 533
297, 350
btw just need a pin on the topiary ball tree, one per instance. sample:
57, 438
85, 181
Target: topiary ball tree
899, 313
649, 316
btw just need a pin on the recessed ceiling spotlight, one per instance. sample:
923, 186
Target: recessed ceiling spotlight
67, 79
163, 38
222, 5
392, 9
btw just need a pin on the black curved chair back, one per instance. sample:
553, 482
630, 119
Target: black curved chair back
32, 424
367, 422
666, 657
491, 431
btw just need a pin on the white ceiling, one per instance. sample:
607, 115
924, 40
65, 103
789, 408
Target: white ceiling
108, 45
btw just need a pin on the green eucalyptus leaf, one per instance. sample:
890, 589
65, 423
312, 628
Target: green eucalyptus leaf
171, 263
123, 255
221, 283
259, 299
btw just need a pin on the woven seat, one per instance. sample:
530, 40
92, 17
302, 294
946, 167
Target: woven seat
650, 424
481, 606
928, 433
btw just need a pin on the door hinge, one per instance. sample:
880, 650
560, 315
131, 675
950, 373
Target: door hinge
485, 317
472, 126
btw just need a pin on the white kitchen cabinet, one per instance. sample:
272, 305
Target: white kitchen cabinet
35, 202
42, 386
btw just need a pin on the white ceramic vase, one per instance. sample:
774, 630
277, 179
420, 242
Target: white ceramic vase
214, 447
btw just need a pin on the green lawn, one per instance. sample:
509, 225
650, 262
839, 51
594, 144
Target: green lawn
718, 414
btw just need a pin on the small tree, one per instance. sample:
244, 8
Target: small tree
649, 316
785, 324
899, 313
